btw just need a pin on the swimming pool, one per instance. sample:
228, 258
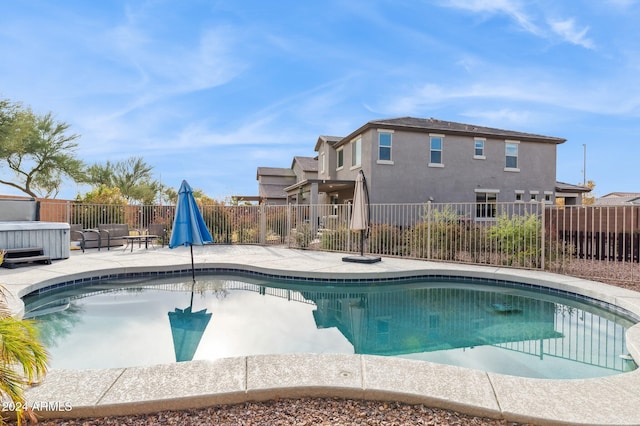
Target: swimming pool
491, 326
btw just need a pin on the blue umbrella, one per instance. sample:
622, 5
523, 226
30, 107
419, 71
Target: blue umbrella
188, 225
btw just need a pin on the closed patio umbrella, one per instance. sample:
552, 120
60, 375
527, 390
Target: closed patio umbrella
188, 225
360, 210
360, 218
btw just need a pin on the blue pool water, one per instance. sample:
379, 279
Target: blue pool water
478, 325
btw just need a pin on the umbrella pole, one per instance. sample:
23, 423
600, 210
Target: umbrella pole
193, 269
193, 275
361, 242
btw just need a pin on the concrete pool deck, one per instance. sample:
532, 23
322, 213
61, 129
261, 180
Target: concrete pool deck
121, 391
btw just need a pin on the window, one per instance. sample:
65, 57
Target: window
511, 156
519, 194
435, 150
478, 152
548, 195
340, 159
486, 204
322, 162
356, 153
534, 195
384, 146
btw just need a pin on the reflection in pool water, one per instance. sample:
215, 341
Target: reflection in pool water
482, 326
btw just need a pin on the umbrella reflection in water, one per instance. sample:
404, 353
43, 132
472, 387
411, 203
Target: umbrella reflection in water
187, 328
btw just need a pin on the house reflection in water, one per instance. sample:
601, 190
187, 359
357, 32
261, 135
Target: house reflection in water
412, 320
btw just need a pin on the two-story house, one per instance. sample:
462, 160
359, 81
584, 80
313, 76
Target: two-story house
415, 160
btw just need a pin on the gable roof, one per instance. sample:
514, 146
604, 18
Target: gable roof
449, 127
331, 140
308, 164
274, 171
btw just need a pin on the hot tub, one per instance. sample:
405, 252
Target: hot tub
53, 237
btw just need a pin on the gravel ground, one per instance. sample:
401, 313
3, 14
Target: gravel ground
295, 412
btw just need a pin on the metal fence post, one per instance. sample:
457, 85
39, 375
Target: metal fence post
263, 224
429, 230
289, 207
542, 237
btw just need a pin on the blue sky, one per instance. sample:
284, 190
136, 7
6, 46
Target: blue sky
209, 90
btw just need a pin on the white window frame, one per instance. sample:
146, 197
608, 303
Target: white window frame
507, 143
390, 147
356, 153
548, 194
322, 162
441, 150
533, 195
339, 154
486, 204
519, 193
475, 147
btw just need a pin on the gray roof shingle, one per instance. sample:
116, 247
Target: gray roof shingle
432, 124
308, 164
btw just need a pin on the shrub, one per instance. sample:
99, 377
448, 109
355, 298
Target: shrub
304, 235
438, 236
101, 205
23, 360
337, 239
518, 239
386, 239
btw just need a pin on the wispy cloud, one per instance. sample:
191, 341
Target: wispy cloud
511, 8
568, 31
514, 99
520, 118
525, 15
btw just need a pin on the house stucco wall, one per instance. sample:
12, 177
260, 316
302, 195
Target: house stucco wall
409, 179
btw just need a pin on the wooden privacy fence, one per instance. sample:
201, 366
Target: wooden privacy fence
618, 246
610, 233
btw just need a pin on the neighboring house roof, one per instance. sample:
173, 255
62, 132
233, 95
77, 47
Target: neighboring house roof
621, 194
272, 191
449, 127
308, 164
274, 171
568, 187
619, 198
331, 140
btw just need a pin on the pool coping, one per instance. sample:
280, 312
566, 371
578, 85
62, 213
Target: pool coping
137, 390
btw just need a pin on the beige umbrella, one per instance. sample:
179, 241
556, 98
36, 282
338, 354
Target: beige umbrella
360, 218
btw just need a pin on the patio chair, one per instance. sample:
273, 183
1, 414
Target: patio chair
88, 238
159, 229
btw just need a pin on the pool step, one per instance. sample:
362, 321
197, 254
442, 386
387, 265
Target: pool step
23, 256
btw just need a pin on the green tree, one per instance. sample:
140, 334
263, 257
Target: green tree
23, 360
133, 177
38, 151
